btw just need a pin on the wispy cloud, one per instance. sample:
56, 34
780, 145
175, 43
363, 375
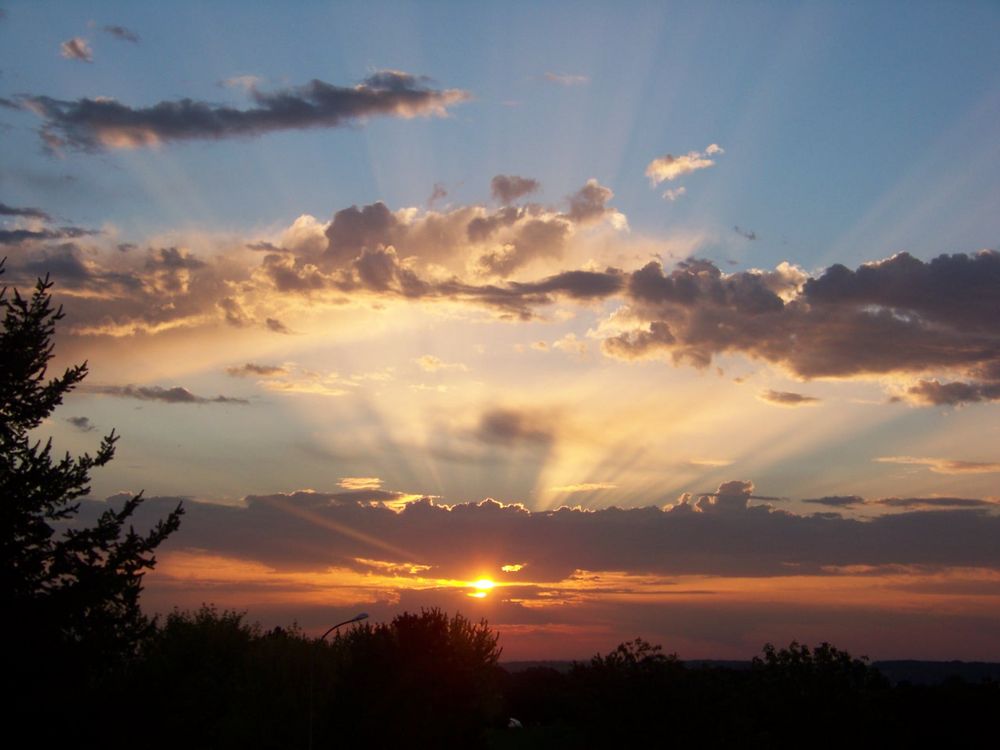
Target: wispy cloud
787, 398
430, 363
121, 33
99, 123
83, 424
567, 79
175, 395
584, 487
254, 370
944, 465
27, 212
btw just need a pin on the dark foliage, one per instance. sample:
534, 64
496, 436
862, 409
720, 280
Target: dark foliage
789, 697
210, 679
69, 594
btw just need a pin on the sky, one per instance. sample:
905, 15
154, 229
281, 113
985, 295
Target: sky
678, 320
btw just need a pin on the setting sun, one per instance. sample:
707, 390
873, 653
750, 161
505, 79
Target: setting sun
482, 587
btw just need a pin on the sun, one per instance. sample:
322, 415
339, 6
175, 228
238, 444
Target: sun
482, 587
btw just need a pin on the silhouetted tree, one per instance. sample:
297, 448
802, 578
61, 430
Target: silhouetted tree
422, 680
69, 594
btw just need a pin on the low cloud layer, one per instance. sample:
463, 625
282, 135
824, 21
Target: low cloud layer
99, 123
725, 533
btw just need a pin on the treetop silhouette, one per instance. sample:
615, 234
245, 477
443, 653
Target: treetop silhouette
65, 589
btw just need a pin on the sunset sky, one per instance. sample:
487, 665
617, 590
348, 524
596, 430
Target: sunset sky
678, 320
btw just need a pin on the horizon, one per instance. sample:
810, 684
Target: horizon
680, 323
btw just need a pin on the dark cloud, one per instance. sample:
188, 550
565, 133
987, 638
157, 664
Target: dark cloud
276, 326
251, 369
953, 394
83, 424
787, 398
94, 124
76, 49
31, 213
437, 193
724, 534
837, 501
120, 32
512, 427
507, 188
589, 203
354, 229
234, 313
18, 236
900, 315
745, 233
162, 288
175, 395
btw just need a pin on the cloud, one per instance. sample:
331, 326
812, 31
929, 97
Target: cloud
100, 123
584, 487
360, 483
245, 82
18, 236
724, 533
276, 326
837, 501
745, 233
936, 393
30, 213
507, 188
510, 427
430, 363
567, 79
934, 502
674, 193
944, 465
121, 33
669, 167
175, 395
787, 398
83, 424
719, 462
76, 49
251, 369
589, 204
900, 315
437, 193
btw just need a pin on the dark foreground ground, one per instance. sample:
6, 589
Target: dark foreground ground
209, 679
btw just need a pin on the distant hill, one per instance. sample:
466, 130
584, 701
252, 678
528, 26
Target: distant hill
912, 671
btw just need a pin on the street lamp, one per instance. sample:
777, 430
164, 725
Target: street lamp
312, 665
356, 618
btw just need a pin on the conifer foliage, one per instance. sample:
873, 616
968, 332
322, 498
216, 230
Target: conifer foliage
69, 592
